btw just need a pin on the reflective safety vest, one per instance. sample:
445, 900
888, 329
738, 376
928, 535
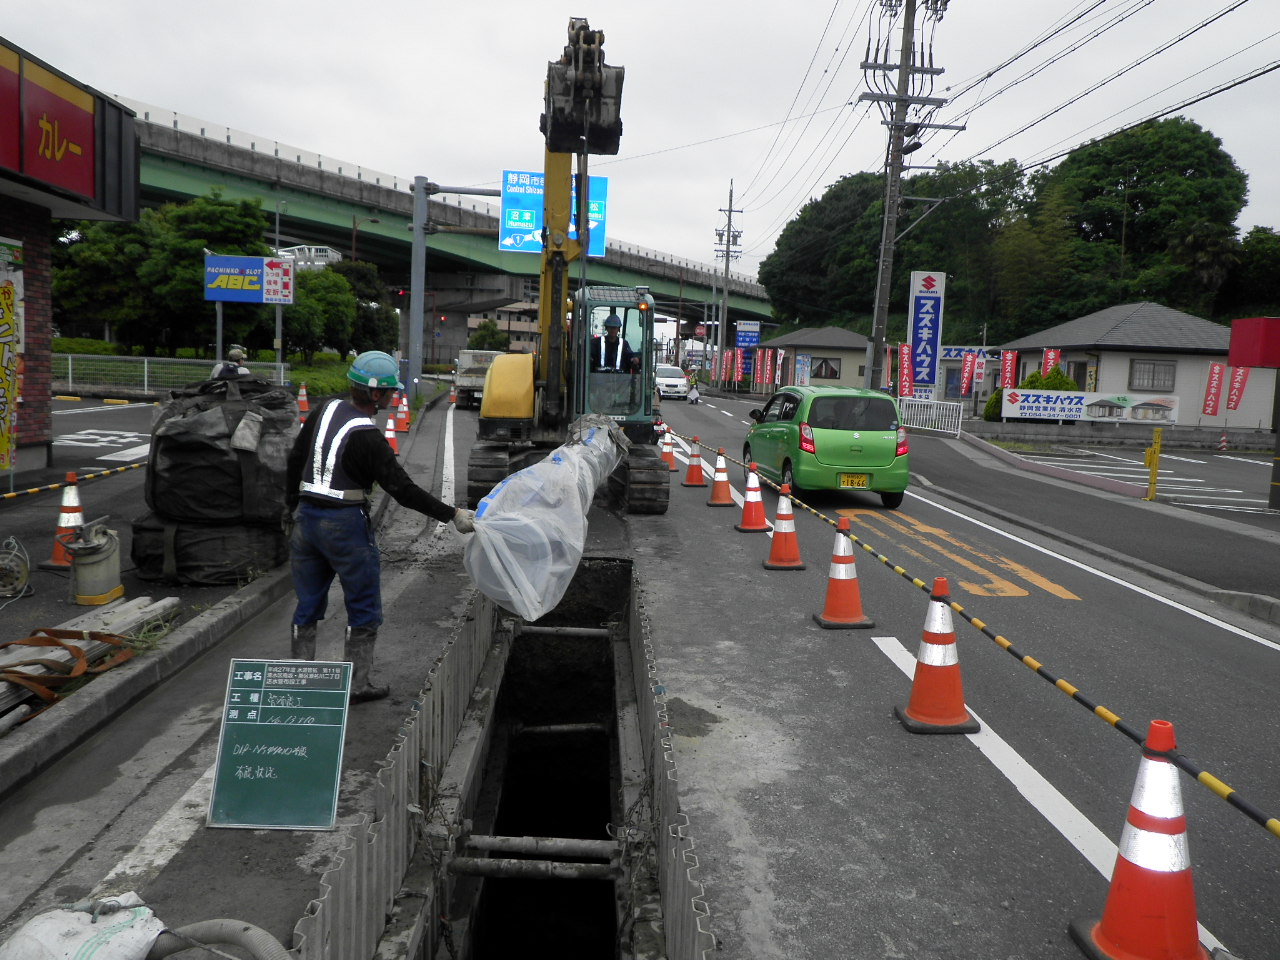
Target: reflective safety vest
617, 356
322, 474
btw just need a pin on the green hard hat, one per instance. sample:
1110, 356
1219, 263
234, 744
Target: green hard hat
376, 370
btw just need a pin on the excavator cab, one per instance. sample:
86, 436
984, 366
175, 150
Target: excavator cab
613, 344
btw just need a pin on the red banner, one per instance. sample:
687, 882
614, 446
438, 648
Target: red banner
966, 372
1213, 389
906, 383
1008, 369
738, 355
1052, 358
1235, 391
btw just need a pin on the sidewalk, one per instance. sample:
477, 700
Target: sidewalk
209, 614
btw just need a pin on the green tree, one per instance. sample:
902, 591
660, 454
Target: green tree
145, 280
1250, 289
487, 336
322, 313
377, 323
815, 247
1153, 209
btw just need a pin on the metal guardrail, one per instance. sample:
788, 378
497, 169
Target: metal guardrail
73, 372
941, 416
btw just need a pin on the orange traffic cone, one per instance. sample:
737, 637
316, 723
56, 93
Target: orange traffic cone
694, 477
842, 609
784, 554
753, 520
70, 520
669, 452
304, 405
390, 434
402, 415
1151, 905
937, 694
721, 492
453, 393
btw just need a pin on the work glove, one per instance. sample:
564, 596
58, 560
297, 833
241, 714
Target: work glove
464, 521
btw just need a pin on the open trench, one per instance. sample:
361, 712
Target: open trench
560, 758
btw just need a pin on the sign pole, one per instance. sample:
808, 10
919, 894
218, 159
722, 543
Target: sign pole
217, 347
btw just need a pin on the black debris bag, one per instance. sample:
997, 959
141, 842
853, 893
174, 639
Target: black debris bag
218, 452
216, 483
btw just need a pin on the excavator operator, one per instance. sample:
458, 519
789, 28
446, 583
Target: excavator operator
612, 352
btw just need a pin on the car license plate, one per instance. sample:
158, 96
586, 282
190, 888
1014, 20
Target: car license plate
853, 480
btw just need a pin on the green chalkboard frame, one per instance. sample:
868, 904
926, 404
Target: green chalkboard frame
280, 745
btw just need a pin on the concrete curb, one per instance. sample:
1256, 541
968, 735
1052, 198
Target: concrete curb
1030, 466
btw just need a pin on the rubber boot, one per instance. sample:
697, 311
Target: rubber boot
359, 650
303, 643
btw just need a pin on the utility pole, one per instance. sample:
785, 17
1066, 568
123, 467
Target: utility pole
899, 131
728, 237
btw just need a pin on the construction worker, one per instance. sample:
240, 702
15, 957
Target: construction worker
338, 457
233, 366
612, 352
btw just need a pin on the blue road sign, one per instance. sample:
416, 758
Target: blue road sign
522, 195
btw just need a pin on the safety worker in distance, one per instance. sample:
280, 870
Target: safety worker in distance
337, 458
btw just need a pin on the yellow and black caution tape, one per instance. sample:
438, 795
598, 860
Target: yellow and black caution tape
88, 476
1203, 777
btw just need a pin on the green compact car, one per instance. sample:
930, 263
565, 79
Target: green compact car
831, 438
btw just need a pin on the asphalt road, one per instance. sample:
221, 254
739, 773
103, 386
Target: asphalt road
822, 828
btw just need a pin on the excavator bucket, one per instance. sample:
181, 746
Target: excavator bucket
583, 96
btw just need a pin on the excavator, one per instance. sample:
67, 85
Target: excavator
531, 399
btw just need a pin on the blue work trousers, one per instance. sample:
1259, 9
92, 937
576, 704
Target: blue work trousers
329, 541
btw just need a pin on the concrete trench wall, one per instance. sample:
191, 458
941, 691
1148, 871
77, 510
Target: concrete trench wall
391, 885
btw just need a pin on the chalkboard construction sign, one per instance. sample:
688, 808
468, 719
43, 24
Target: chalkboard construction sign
280, 748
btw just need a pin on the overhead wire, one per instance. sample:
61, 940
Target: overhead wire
1162, 48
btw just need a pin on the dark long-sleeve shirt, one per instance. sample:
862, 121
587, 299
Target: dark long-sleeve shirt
367, 459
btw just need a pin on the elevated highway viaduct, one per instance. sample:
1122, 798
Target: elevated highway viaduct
321, 202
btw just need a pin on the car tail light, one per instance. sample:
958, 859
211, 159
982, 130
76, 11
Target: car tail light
806, 438
902, 443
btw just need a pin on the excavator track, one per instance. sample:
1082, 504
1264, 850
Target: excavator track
648, 482
487, 466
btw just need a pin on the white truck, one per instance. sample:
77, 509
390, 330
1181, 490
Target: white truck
468, 378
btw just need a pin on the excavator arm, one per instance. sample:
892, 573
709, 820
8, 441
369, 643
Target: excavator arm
582, 103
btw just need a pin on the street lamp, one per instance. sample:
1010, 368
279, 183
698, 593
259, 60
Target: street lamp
355, 225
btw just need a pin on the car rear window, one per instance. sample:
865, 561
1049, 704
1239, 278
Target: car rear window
852, 413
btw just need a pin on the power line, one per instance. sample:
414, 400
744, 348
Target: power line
1119, 73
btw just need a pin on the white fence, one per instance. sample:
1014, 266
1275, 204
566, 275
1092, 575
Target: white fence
941, 416
73, 373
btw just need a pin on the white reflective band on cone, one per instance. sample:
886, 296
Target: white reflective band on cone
938, 619
844, 571
784, 524
938, 654
1156, 791
1155, 851
72, 497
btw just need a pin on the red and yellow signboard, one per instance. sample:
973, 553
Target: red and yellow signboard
10, 103
57, 128
47, 125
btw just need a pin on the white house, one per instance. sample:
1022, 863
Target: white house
1147, 348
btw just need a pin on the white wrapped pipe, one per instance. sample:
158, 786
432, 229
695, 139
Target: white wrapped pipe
532, 527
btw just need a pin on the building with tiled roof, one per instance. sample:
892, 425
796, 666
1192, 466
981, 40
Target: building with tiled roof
1148, 348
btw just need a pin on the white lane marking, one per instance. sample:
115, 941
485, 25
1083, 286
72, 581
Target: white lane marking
132, 453
1230, 628
112, 406
153, 852
1259, 463
1062, 814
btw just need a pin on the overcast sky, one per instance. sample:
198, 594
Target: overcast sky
763, 93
